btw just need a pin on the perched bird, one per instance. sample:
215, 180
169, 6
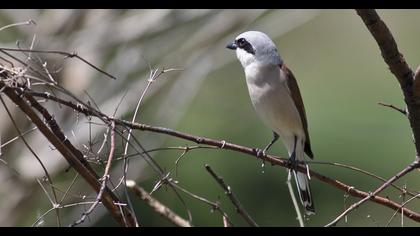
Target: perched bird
276, 98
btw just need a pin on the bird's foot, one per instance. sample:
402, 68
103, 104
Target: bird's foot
292, 163
260, 153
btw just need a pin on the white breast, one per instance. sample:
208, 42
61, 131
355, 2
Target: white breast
272, 101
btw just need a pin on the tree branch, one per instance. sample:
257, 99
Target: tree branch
239, 208
405, 171
157, 206
67, 54
274, 160
69, 152
398, 66
104, 178
402, 111
405, 77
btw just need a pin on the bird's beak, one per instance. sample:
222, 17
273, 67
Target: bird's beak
232, 46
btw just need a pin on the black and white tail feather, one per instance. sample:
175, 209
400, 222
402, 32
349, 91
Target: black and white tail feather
297, 153
304, 190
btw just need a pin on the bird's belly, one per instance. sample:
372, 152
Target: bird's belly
276, 109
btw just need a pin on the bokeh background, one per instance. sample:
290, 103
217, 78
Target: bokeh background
341, 76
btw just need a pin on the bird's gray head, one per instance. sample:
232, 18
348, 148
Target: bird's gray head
255, 47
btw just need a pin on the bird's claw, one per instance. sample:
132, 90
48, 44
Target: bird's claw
292, 163
260, 153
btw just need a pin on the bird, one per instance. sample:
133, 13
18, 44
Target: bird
276, 98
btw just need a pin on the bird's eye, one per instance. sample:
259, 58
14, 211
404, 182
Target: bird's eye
245, 45
241, 42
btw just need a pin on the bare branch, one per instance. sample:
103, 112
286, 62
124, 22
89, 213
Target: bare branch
63, 145
398, 66
60, 207
157, 206
70, 55
29, 22
406, 170
402, 190
295, 203
104, 178
402, 209
226, 222
274, 160
215, 205
402, 111
405, 77
239, 208
2, 145
55, 202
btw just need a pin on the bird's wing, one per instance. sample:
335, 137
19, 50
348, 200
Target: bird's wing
297, 98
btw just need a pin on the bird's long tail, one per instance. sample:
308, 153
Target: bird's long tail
304, 191
296, 152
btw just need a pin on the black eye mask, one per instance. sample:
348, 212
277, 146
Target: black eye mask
245, 45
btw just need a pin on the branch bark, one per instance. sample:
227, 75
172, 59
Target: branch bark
104, 179
157, 206
398, 66
406, 78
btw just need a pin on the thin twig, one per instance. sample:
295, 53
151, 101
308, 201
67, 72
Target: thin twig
226, 222
17, 137
215, 205
104, 178
163, 177
400, 174
152, 78
239, 208
181, 148
157, 206
29, 22
55, 202
46, 193
402, 208
70, 55
363, 172
68, 188
60, 207
295, 203
75, 158
403, 111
